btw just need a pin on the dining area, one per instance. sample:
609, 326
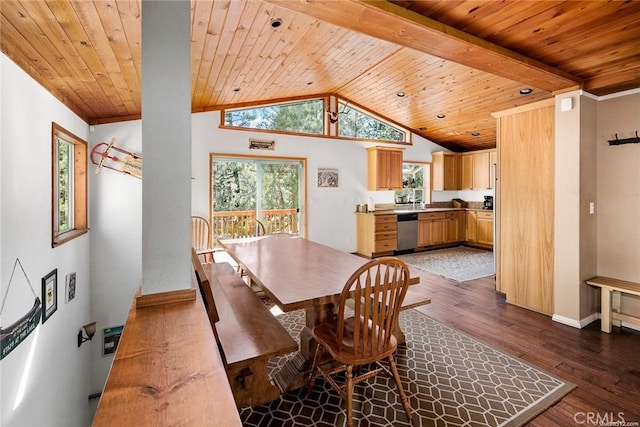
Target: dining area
323, 283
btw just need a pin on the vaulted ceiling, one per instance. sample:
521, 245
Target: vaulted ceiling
461, 59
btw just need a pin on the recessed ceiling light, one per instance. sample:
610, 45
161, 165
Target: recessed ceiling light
401, 94
475, 133
526, 91
441, 116
236, 89
276, 23
309, 83
422, 128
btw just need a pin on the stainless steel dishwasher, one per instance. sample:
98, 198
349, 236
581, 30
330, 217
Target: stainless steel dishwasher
407, 231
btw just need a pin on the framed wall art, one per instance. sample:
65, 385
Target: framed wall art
327, 178
49, 294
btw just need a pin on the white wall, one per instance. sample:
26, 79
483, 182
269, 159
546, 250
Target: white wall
45, 380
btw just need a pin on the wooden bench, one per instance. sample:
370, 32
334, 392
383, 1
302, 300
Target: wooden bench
247, 333
607, 286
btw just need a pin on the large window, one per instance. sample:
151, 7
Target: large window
297, 117
354, 123
68, 186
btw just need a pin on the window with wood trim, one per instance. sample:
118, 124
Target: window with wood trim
68, 186
306, 116
356, 123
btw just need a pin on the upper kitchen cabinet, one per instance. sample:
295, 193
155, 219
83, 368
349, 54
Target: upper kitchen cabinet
446, 170
477, 170
385, 168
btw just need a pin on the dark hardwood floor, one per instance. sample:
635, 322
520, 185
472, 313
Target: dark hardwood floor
604, 367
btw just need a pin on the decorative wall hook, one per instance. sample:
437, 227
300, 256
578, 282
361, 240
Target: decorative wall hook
632, 140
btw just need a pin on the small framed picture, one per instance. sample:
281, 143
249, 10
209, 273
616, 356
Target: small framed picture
49, 294
110, 339
71, 286
327, 178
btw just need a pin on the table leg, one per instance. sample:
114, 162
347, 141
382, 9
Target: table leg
296, 370
605, 309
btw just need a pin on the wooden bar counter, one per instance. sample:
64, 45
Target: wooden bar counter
167, 371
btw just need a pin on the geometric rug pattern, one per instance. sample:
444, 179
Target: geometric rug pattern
450, 378
460, 263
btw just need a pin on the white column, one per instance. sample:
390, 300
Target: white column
166, 146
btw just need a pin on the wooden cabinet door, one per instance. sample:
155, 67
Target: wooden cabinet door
481, 171
445, 167
452, 172
424, 233
454, 227
385, 169
437, 229
467, 172
395, 170
472, 226
485, 229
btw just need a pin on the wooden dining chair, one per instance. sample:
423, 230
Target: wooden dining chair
361, 336
201, 238
248, 227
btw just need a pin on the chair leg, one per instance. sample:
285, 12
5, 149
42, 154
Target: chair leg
312, 376
349, 392
403, 396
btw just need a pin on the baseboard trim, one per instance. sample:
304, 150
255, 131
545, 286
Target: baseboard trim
578, 324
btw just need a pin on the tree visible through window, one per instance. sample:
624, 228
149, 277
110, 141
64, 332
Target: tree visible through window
68, 186
298, 117
357, 124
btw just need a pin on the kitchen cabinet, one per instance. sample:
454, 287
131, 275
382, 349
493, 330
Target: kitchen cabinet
466, 179
446, 169
485, 228
385, 168
431, 228
479, 228
477, 170
471, 226
376, 234
455, 226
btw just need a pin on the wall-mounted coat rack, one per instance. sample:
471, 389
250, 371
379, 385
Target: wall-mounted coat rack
632, 140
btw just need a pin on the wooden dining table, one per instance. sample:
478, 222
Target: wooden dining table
297, 273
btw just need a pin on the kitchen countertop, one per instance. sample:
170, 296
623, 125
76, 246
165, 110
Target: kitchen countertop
420, 210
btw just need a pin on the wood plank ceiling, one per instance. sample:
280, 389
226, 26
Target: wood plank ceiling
464, 59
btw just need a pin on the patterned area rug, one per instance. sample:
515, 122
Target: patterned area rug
450, 378
460, 263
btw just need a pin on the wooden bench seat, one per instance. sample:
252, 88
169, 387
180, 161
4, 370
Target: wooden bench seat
247, 333
607, 286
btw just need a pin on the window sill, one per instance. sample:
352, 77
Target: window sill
67, 236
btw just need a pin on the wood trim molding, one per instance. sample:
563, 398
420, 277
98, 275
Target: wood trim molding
551, 102
171, 297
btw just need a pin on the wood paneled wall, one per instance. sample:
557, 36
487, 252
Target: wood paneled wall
526, 206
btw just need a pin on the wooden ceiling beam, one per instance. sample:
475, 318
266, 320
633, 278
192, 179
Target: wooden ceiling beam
387, 21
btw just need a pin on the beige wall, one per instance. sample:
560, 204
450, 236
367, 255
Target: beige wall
575, 237
618, 193
588, 193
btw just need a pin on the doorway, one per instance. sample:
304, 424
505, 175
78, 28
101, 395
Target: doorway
268, 189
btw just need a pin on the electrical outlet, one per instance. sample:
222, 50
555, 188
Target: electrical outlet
592, 208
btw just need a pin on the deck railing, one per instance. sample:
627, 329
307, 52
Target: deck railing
274, 221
